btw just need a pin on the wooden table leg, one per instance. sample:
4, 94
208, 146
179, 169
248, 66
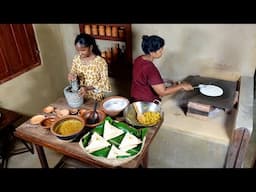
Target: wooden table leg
42, 157
144, 162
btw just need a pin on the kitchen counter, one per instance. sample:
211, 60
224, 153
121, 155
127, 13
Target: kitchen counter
189, 142
217, 142
217, 129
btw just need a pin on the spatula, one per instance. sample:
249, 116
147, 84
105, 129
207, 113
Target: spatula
140, 116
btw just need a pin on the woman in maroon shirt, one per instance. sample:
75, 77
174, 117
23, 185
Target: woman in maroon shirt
147, 83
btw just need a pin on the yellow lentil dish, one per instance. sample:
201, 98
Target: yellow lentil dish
69, 127
150, 118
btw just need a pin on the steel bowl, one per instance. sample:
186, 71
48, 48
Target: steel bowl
114, 105
130, 114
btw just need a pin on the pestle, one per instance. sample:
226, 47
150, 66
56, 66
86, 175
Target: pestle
74, 85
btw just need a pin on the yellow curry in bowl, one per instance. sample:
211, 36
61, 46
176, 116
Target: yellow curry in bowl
68, 127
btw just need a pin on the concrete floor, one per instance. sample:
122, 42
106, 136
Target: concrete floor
29, 160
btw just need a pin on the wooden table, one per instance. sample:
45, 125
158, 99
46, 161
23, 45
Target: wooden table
42, 137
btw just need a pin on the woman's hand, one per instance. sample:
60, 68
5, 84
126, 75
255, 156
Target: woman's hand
72, 77
169, 82
83, 90
186, 86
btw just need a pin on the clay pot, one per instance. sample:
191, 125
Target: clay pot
82, 112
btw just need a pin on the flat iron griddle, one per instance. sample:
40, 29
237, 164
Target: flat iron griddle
225, 101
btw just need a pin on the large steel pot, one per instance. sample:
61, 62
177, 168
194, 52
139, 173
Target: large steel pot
130, 114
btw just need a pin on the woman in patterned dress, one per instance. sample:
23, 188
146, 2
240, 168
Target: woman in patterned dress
90, 68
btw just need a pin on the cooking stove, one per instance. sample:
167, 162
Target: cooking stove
196, 103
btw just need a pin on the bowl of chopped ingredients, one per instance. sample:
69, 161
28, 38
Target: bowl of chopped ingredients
142, 113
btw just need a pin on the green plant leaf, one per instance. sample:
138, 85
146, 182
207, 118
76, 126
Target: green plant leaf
117, 140
102, 152
144, 132
135, 150
123, 156
86, 139
99, 129
125, 127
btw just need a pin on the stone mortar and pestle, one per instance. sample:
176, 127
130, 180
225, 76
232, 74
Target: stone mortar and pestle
72, 96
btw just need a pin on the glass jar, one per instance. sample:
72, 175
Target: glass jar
101, 30
94, 30
108, 31
87, 29
121, 31
114, 32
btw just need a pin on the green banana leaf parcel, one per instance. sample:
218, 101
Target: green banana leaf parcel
101, 155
